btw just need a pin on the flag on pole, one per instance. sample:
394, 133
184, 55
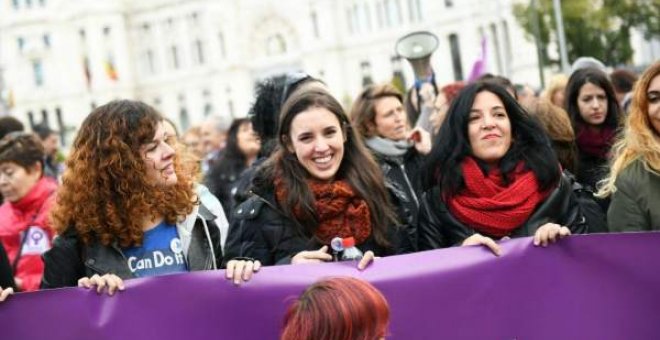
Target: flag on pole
479, 66
110, 70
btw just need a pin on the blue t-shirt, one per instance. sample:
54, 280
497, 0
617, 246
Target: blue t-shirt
161, 253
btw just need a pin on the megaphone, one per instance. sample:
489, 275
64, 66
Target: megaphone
417, 48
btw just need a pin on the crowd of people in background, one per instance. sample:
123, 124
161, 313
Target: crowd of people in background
466, 164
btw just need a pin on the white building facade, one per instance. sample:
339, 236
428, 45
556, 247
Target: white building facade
192, 58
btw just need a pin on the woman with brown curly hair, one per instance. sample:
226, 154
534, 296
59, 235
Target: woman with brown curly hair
127, 207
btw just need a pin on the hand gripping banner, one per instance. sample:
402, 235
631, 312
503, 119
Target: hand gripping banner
584, 287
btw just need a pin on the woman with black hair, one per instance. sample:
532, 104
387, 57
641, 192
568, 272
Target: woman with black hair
241, 151
493, 174
594, 111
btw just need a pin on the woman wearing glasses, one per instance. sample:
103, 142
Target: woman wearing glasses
25, 231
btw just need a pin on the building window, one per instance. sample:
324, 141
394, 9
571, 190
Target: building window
367, 17
106, 31
198, 49
37, 69
415, 10
365, 70
496, 43
380, 14
349, 16
184, 119
20, 42
456, 56
507, 47
174, 57
449, 3
149, 64
315, 25
28, 3
42, 3
60, 125
44, 117
392, 13
221, 42
31, 118
82, 34
16, 4
46, 39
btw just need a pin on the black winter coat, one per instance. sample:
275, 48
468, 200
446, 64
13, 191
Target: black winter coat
439, 229
260, 230
403, 182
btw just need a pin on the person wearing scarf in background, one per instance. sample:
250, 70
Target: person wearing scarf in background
594, 111
493, 175
380, 119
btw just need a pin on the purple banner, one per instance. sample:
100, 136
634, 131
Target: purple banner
584, 287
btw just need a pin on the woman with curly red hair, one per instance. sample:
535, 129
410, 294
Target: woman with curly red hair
128, 207
342, 308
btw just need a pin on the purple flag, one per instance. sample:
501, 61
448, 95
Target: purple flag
479, 66
585, 287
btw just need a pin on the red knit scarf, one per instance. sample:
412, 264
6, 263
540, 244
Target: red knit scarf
595, 142
340, 211
492, 208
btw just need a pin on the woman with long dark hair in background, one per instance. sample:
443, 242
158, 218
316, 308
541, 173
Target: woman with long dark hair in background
241, 151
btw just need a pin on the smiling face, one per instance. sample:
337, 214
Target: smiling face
158, 156
317, 139
592, 103
390, 121
489, 128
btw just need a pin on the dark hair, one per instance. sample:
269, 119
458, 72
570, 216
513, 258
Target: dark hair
598, 78
9, 124
43, 131
342, 308
357, 167
623, 80
363, 111
270, 95
501, 81
452, 145
22, 148
232, 160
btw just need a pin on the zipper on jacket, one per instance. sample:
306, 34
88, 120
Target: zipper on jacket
412, 190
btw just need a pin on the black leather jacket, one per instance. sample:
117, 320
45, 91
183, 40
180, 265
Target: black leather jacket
403, 182
439, 229
69, 259
260, 230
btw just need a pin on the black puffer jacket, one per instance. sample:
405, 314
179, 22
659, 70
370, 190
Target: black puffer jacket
403, 182
260, 230
439, 229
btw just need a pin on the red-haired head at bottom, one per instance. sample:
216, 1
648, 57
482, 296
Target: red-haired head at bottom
341, 308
